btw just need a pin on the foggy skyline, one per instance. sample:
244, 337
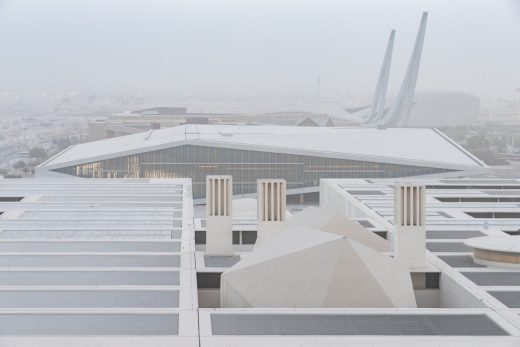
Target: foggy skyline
256, 46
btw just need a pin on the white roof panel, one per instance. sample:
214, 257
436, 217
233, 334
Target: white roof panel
412, 145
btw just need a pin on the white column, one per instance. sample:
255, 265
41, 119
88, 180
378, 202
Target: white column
219, 226
409, 225
271, 208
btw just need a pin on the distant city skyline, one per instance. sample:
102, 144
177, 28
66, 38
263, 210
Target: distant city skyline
236, 47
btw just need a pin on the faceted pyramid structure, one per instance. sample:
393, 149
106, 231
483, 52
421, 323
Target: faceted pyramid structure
307, 268
333, 222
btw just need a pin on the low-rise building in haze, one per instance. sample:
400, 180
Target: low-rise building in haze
437, 109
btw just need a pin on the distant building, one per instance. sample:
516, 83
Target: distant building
442, 109
97, 129
127, 123
162, 111
300, 155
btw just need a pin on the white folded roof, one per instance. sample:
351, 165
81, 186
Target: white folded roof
410, 146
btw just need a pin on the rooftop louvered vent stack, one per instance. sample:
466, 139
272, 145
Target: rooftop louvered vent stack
409, 224
271, 208
219, 230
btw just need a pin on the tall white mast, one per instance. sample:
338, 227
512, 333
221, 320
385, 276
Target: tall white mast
378, 103
399, 112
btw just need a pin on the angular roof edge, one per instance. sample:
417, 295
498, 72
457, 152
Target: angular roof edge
393, 146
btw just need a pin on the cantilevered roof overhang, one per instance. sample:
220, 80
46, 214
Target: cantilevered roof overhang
409, 146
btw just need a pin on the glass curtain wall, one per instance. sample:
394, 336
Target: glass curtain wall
245, 166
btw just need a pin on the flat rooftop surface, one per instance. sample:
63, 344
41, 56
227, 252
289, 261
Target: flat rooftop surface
90, 259
92, 262
460, 215
507, 244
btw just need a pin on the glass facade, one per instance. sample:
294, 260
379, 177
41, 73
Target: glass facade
245, 166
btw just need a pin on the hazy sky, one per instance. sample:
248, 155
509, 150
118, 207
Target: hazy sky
256, 46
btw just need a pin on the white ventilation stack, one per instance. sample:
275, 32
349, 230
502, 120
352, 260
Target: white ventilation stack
271, 208
409, 225
219, 227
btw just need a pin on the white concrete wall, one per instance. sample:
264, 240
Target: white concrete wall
219, 224
229, 298
427, 298
209, 298
454, 295
409, 225
219, 235
332, 199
